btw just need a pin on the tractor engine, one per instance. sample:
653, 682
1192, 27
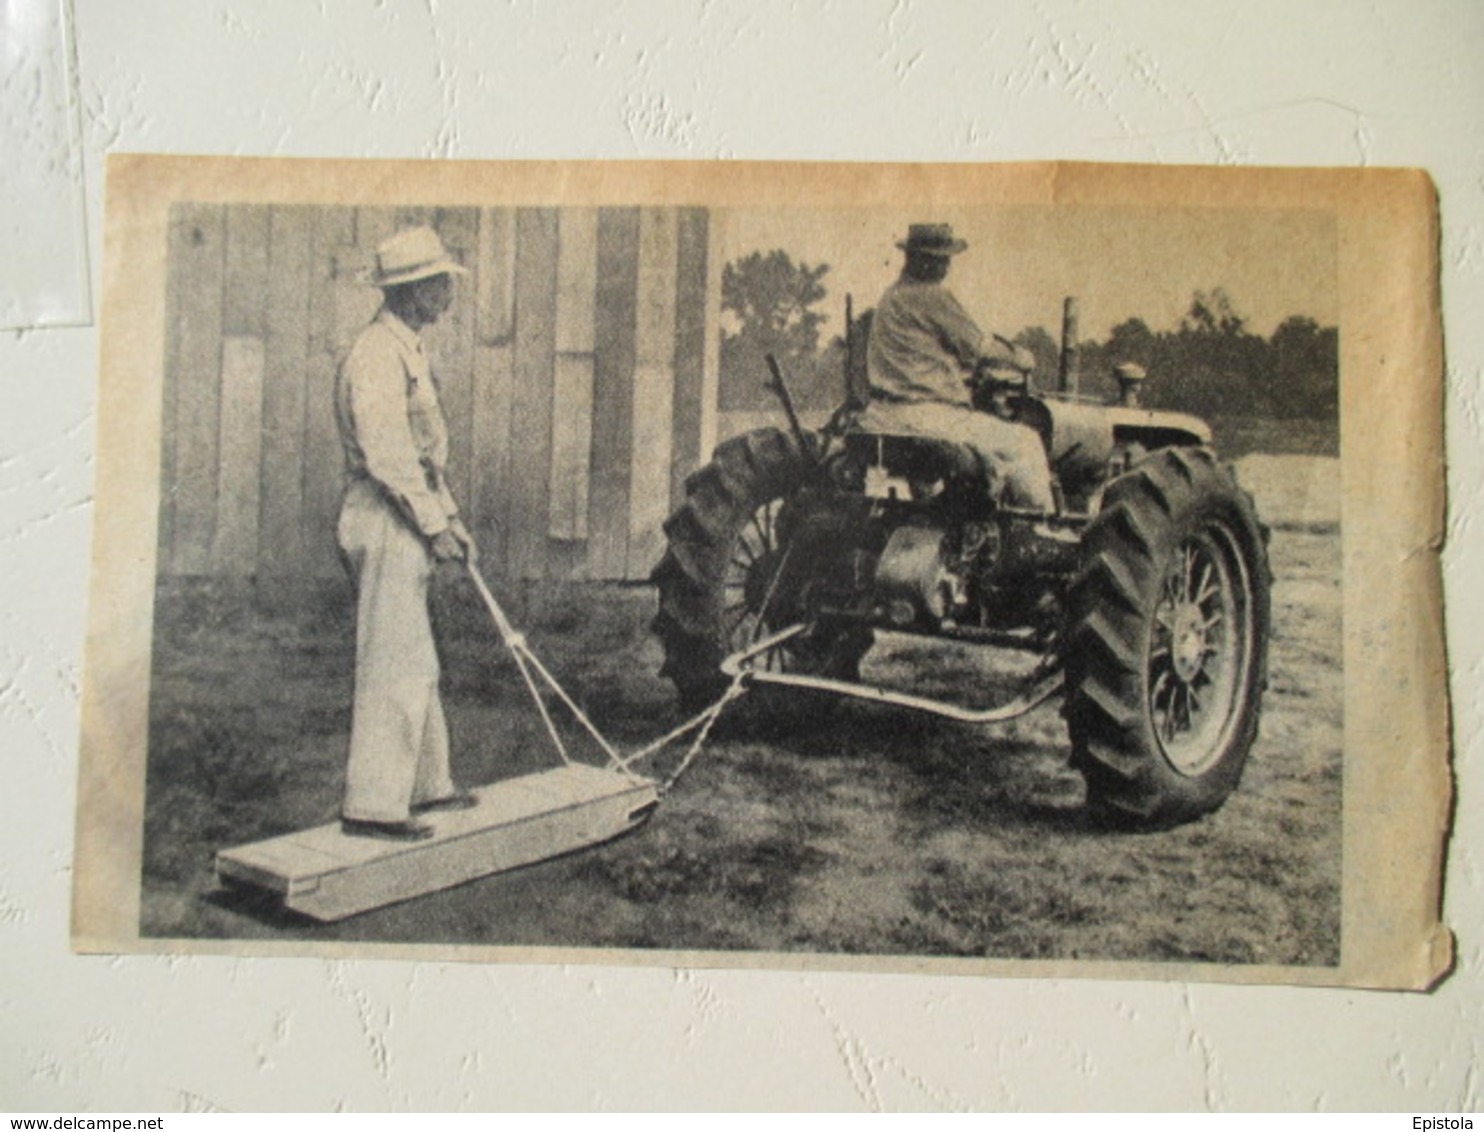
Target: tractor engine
909, 539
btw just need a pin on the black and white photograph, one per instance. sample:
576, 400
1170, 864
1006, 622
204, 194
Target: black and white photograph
749, 556
913, 581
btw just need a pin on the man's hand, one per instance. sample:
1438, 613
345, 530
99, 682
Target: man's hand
465, 541
447, 547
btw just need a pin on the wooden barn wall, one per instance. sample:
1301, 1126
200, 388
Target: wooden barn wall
576, 369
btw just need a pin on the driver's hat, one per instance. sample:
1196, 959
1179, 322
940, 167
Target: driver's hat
932, 239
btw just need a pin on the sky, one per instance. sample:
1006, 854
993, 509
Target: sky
1023, 260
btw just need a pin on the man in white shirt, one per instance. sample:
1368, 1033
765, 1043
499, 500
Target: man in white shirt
398, 518
922, 352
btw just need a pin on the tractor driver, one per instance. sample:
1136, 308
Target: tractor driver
923, 353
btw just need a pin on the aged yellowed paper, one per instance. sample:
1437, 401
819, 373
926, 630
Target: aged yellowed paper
1076, 611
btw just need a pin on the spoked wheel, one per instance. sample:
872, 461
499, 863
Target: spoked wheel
1167, 639
727, 579
750, 585
1200, 651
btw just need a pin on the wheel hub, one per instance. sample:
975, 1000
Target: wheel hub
1188, 642
1196, 661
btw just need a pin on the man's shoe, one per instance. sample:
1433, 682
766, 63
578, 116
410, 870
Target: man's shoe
386, 830
462, 800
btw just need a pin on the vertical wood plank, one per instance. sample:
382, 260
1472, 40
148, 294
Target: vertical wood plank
711, 381
494, 383
324, 461
571, 443
451, 345
177, 298
198, 385
654, 391
493, 271
577, 268
535, 374
413, 216
355, 301
235, 548
613, 391
373, 225
280, 537
691, 302
494, 275
246, 296
576, 275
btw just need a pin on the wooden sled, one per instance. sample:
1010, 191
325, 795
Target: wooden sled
327, 875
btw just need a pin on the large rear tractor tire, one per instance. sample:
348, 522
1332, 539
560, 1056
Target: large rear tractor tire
722, 582
1166, 642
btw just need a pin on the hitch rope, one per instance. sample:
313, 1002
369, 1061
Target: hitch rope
526, 661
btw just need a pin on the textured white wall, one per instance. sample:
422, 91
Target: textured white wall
1396, 82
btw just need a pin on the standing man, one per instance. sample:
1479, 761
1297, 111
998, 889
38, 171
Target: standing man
924, 351
398, 518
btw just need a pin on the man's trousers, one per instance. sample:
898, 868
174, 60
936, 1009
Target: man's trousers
398, 736
1013, 453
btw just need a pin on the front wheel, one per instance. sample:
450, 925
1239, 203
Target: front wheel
1166, 643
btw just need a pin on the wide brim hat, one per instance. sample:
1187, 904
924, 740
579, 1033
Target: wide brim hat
410, 255
932, 239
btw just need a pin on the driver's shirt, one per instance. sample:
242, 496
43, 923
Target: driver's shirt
923, 345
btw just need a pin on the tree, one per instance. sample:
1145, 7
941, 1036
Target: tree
770, 301
1039, 342
1306, 367
1132, 341
1211, 312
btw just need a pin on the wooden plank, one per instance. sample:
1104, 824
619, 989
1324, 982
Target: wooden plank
451, 346
692, 302
613, 391
414, 216
246, 297
494, 276
234, 548
234, 552
488, 506
324, 874
356, 301
535, 375
372, 226
571, 446
577, 268
280, 538
198, 385
324, 461
711, 381
654, 391
492, 393
566, 561
177, 298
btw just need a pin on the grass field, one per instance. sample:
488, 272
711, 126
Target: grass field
875, 832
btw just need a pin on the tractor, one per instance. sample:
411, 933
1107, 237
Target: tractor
1144, 594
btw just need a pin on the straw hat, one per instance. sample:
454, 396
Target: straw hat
410, 255
932, 239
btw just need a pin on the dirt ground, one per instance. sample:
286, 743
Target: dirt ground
874, 831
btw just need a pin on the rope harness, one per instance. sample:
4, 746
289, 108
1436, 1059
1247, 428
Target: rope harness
530, 667
1043, 683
